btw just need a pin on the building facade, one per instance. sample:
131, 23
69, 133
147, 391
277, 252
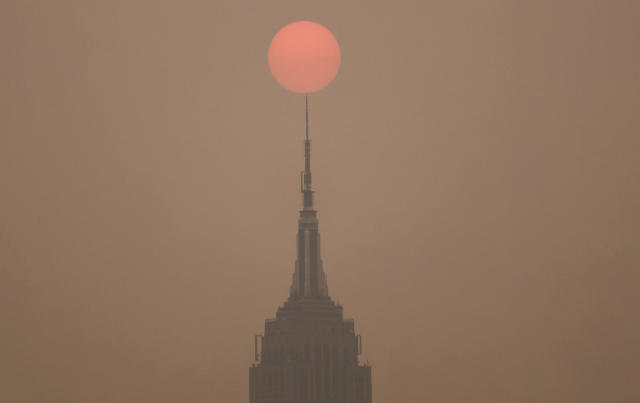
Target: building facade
309, 353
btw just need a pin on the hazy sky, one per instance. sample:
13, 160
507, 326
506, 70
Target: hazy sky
476, 167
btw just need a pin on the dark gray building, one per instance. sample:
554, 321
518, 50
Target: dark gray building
309, 353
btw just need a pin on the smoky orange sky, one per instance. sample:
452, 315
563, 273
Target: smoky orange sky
476, 167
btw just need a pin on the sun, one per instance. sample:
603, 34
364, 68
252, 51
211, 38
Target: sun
304, 57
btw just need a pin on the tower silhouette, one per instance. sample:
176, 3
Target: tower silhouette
309, 353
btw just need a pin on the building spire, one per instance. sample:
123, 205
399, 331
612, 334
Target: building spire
307, 193
309, 280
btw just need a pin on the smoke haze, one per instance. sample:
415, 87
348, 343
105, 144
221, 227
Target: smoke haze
476, 174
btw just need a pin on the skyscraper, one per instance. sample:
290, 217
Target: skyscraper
309, 353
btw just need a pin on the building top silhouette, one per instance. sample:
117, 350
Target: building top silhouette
309, 353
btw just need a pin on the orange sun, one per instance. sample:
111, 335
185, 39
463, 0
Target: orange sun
304, 57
